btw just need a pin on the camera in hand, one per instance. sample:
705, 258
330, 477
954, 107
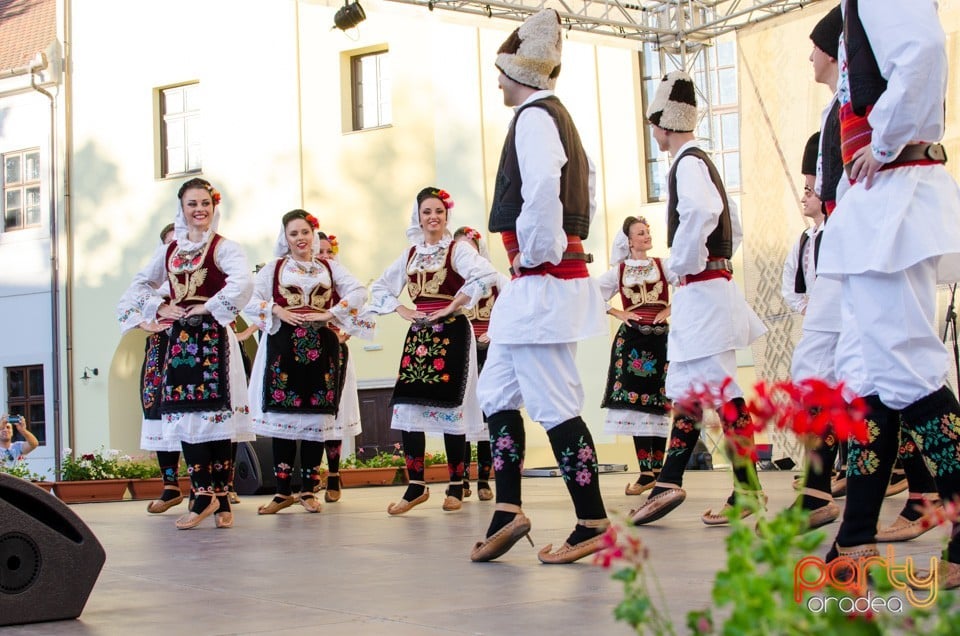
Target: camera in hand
14, 419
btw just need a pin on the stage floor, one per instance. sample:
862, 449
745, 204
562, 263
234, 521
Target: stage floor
354, 569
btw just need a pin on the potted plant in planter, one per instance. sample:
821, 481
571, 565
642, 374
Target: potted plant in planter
435, 467
382, 469
21, 470
90, 477
144, 476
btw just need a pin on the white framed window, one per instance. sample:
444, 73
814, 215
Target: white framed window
370, 90
21, 190
721, 70
715, 74
180, 150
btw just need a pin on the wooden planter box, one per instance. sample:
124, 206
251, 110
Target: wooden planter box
46, 485
146, 489
92, 490
353, 477
436, 473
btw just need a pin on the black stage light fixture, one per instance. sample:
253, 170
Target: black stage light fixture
349, 16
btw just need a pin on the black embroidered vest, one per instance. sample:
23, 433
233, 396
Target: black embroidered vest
720, 241
574, 176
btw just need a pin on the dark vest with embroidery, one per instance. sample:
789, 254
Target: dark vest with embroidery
720, 241
198, 280
574, 176
866, 82
800, 282
646, 299
321, 298
442, 284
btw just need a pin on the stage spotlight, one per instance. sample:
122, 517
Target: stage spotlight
349, 16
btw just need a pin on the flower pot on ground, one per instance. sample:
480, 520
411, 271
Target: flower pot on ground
386, 476
436, 473
45, 485
146, 489
91, 490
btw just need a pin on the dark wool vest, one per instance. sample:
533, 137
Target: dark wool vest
800, 282
866, 82
720, 241
574, 176
831, 159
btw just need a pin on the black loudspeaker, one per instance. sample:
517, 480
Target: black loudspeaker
49, 558
254, 469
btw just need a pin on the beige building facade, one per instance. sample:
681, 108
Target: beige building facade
279, 110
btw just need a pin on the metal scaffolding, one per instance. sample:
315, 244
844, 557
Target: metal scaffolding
664, 23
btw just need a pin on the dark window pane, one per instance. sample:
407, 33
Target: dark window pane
15, 384
37, 422
36, 381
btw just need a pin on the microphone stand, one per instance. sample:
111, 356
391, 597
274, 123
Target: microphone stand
950, 322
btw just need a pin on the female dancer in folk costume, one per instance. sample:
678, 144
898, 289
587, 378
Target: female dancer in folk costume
635, 397
347, 423
204, 399
151, 379
479, 317
297, 377
436, 384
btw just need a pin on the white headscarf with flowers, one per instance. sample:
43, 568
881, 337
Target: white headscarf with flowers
414, 231
180, 226
281, 247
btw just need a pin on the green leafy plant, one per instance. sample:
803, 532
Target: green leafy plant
378, 460
102, 464
137, 468
21, 470
432, 459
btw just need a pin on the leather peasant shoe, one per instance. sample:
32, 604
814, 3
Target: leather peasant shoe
233, 497
223, 519
332, 495
902, 529
466, 489
159, 505
898, 483
638, 489
452, 504
847, 575
948, 575
569, 553
309, 502
838, 487
193, 519
823, 515
658, 506
484, 493
720, 518
404, 506
497, 544
272, 507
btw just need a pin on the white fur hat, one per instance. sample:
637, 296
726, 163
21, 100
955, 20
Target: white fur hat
531, 55
674, 107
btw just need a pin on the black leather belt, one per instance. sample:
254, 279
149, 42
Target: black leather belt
192, 321
724, 264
